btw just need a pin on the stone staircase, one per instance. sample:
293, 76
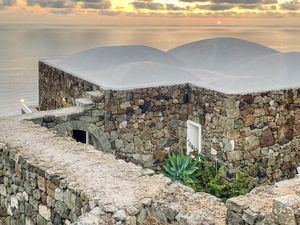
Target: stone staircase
89, 100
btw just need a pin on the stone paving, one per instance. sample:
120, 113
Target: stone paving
106, 181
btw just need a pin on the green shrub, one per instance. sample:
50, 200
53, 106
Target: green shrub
182, 168
202, 175
242, 184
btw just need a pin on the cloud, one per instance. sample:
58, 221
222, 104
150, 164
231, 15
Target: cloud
172, 7
233, 1
290, 6
175, 8
148, 4
63, 4
57, 4
216, 7
95, 4
61, 11
7, 3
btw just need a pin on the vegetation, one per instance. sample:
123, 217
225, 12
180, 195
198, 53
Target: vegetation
182, 168
202, 175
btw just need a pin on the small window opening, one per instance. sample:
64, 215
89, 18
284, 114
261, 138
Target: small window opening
193, 136
81, 136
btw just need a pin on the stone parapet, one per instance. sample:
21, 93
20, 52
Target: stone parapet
267, 205
46, 179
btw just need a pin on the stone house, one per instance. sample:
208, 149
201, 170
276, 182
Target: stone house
233, 100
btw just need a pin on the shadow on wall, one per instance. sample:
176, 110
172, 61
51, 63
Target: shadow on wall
86, 133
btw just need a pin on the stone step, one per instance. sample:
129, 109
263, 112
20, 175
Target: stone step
94, 96
84, 103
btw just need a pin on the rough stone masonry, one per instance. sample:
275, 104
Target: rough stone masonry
267, 205
46, 178
144, 125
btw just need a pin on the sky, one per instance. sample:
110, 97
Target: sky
152, 12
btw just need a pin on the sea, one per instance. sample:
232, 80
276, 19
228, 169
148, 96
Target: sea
22, 45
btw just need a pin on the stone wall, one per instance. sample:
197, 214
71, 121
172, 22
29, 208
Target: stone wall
260, 130
58, 89
32, 195
270, 205
255, 130
47, 179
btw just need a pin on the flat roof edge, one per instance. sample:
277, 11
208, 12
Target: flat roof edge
108, 88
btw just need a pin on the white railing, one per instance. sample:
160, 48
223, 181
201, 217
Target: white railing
25, 109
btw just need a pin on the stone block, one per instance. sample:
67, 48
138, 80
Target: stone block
70, 200
234, 218
59, 194
232, 112
36, 194
14, 203
41, 183
236, 205
119, 215
141, 217
248, 120
250, 217
125, 105
94, 96
284, 209
284, 134
50, 188
119, 144
251, 142
3, 190
130, 220
267, 138
84, 103
45, 212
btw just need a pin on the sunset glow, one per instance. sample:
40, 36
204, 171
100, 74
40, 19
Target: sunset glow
104, 11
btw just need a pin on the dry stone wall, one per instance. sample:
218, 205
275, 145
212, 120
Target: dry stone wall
258, 130
49, 179
255, 130
270, 205
32, 195
58, 89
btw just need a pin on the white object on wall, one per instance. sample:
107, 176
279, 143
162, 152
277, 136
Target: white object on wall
194, 135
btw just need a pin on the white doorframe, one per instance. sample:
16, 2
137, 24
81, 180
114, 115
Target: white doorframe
194, 136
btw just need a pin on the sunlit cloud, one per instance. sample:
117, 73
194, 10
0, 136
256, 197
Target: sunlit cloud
7, 3
152, 8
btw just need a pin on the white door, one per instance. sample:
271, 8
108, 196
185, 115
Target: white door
193, 136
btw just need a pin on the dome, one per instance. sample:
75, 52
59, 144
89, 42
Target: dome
104, 57
140, 75
242, 85
227, 65
281, 68
219, 53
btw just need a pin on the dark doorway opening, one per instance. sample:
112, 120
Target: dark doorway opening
80, 136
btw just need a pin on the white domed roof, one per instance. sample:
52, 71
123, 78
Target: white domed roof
219, 53
240, 85
223, 64
282, 68
142, 74
104, 57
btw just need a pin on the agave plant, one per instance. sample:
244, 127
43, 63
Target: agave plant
182, 168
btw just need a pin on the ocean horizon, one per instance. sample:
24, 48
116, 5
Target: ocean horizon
21, 46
